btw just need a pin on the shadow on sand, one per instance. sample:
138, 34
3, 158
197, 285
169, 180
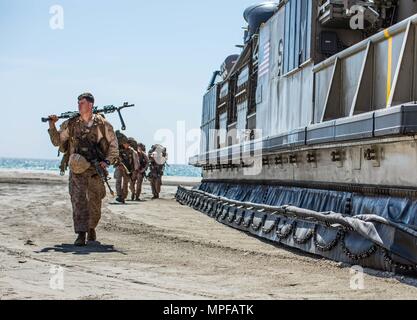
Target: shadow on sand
128, 203
92, 247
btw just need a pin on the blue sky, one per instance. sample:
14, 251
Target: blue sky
159, 55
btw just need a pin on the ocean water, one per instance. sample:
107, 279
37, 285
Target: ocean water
53, 165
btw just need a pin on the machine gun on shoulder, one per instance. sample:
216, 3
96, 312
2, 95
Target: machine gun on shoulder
105, 110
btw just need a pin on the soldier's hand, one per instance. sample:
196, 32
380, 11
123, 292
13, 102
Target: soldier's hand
53, 119
104, 165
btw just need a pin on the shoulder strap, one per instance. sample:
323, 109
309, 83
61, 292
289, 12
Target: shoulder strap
71, 130
102, 126
71, 127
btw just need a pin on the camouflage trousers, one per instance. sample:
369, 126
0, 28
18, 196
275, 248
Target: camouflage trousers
87, 192
156, 183
122, 183
136, 185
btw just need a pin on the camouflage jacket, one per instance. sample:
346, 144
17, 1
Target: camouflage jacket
98, 131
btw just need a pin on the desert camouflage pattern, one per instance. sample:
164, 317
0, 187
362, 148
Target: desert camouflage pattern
122, 183
156, 183
137, 180
126, 176
87, 192
87, 189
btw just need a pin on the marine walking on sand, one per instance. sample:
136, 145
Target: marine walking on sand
86, 139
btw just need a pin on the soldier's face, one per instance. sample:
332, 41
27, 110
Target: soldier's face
85, 107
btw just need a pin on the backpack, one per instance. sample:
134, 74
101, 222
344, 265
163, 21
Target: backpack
158, 155
133, 143
142, 160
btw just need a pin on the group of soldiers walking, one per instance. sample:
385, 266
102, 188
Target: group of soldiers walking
132, 166
90, 146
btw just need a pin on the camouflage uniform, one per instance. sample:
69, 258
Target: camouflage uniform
122, 181
155, 178
129, 158
156, 183
87, 190
136, 187
157, 160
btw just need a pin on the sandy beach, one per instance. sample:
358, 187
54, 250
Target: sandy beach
155, 250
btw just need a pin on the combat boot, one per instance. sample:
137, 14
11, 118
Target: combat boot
92, 236
120, 200
80, 242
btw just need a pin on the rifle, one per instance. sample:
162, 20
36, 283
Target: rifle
96, 110
103, 175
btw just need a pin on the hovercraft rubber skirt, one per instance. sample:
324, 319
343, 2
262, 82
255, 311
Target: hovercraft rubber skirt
308, 220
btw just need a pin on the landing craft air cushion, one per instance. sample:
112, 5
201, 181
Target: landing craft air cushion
309, 134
